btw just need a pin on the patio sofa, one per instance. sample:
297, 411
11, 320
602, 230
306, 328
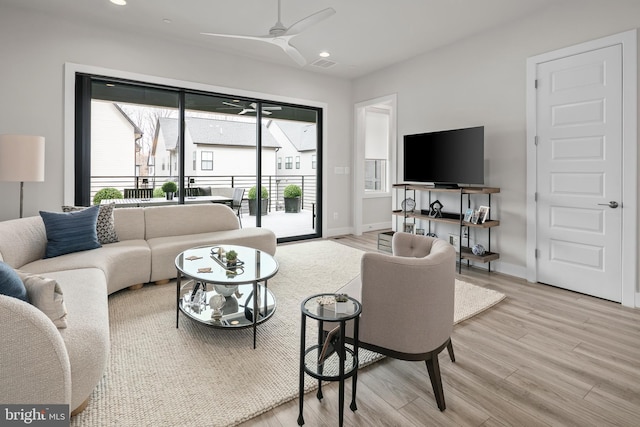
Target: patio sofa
44, 364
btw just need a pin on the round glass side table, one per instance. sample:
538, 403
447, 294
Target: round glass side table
330, 359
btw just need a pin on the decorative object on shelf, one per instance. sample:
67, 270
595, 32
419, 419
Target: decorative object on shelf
435, 209
341, 303
232, 258
478, 249
408, 205
420, 231
326, 300
483, 214
226, 290
330, 345
216, 302
467, 215
474, 217
434, 235
408, 228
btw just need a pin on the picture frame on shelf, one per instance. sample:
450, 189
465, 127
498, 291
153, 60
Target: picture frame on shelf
467, 215
483, 214
408, 228
420, 231
474, 217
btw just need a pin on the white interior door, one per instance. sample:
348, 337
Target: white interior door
579, 172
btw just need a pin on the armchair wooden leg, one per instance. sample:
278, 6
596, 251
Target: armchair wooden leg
450, 350
433, 367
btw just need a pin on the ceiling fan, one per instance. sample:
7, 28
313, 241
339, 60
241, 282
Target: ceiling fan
251, 108
280, 35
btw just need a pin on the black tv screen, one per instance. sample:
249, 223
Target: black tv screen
445, 157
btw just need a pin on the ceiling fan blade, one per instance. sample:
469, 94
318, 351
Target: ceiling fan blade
267, 38
272, 108
232, 105
283, 43
310, 20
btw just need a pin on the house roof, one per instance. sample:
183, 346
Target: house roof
215, 132
303, 136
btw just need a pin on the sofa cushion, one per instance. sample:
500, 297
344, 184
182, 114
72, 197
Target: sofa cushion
164, 250
87, 336
46, 295
124, 263
10, 283
70, 232
105, 226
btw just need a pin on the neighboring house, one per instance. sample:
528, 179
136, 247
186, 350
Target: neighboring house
298, 155
213, 147
114, 147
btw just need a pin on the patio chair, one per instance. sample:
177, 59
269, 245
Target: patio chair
236, 203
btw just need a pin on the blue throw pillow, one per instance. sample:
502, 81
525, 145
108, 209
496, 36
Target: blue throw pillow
10, 283
70, 232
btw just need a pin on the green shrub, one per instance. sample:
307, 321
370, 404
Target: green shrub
107, 193
251, 195
169, 187
291, 191
157, 192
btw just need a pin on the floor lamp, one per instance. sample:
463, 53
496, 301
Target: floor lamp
21, 159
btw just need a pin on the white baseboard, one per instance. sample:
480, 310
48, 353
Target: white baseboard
377, 226
332, 232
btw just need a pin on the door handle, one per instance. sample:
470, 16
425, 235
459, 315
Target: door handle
611, 204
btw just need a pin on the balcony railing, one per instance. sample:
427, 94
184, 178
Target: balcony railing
275, 185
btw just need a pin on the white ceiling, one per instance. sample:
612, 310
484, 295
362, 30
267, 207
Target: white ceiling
363, 35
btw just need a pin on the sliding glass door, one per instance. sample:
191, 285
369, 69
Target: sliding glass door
133, 138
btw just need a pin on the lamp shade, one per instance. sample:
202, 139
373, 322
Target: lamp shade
21, 158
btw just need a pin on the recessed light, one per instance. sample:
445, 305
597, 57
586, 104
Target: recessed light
119, 2
166, 21
324, 54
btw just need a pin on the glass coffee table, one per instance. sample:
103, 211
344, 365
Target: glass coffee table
214, 293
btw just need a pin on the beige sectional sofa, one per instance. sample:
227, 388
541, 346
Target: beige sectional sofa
40, 363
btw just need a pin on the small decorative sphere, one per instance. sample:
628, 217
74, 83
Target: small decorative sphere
478, 250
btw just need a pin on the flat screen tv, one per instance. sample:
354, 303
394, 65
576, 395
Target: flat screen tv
445, 158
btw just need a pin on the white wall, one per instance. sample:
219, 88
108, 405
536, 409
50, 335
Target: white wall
34, 49
481, 81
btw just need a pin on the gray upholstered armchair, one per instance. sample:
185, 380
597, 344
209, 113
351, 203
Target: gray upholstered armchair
407, 302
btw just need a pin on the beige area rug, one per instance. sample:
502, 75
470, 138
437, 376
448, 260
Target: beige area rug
196, 375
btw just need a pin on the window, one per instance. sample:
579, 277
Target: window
297, 162
376, 149
313, 161
206, 161
288, 162
374, 172
279, 162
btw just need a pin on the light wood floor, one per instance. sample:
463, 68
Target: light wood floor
543, 356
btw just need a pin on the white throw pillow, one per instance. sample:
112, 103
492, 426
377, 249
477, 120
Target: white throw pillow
46, 295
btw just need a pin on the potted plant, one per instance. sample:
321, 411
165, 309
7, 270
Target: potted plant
106, 193
232, 258
292, 194
169, 188
252, 195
